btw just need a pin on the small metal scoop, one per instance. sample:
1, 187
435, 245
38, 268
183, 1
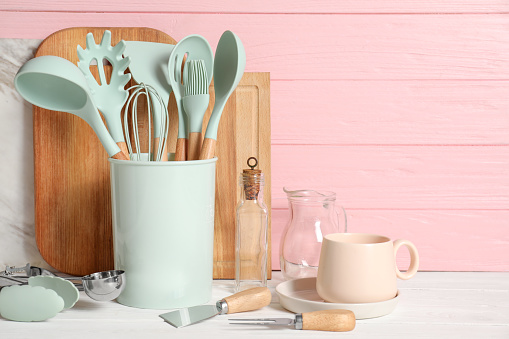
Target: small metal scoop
103, 286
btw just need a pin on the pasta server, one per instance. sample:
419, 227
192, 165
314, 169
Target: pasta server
248, 300
327, 320
110, 96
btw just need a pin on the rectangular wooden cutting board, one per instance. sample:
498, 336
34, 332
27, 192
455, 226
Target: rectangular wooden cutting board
72, 179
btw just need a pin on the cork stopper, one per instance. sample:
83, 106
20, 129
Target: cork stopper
252, 179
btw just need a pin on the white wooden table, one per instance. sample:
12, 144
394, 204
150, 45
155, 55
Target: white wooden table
432, 305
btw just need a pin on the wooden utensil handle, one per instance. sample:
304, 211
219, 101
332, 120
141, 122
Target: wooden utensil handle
180, 151
208, 149
193, 153
329, 320
248, 300
120, 156
123, 147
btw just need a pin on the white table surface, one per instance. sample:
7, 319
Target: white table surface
432, 305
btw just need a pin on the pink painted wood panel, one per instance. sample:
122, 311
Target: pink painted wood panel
399, 109
263, 6
337, 47
458, 240
434, 112
397, 177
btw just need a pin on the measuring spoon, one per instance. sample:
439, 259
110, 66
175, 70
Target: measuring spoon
57, 84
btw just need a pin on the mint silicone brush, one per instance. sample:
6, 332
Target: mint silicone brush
195, 102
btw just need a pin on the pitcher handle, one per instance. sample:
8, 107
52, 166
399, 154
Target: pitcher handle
414, 259
336, 208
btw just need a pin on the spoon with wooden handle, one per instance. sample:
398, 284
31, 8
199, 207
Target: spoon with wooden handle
229, 65
326, 320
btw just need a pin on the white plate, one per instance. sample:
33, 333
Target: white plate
300, 296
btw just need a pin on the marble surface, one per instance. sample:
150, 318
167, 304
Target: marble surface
17, 230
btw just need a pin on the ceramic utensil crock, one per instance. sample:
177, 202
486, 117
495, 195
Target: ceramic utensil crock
163, 231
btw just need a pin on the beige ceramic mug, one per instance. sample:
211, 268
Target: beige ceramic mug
361, 268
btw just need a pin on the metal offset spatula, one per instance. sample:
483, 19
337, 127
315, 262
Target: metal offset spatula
248, 300
327, 320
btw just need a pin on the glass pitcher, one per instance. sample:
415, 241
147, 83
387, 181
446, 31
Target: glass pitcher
313, 215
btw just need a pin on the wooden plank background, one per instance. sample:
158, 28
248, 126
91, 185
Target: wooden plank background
401, 107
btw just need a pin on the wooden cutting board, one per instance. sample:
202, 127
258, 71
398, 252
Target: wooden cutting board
72, 178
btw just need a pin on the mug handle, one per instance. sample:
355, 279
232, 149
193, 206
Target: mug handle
414, 259
338, 217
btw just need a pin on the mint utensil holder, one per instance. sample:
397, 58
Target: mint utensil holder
163, 231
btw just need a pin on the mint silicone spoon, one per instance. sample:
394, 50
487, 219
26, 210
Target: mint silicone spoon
111, 96
149, 65
195, 103
229, 65
57, 84
192, 47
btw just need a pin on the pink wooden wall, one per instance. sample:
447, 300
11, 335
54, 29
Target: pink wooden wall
401, 107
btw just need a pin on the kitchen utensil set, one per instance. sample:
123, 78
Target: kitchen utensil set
56, 84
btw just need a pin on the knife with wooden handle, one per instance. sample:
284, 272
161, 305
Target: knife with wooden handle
248, 300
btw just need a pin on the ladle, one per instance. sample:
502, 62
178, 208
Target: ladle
57, 84
229, 65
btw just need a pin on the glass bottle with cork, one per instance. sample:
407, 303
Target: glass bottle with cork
251, 228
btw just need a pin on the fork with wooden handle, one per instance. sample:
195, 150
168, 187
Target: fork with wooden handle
327, 320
